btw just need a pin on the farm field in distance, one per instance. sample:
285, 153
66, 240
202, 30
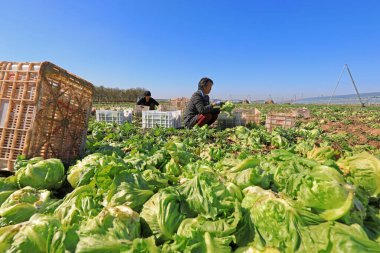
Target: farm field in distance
349, 126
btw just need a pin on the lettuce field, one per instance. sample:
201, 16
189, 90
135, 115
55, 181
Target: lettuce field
311, 188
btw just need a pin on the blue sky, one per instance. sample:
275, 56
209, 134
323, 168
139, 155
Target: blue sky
254, 49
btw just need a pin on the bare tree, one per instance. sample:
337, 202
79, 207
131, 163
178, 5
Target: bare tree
111, 95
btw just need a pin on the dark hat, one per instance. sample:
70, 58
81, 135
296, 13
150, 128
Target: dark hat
147, 93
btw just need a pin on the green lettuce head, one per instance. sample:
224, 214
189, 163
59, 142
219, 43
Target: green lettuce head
83, 171
120, 222
207, 195
40, 234
101, 243
97, 167
129, 189
277, 222
109, 244
155, 178
221, 227
284, 164
336, 237
250, 177
23, 203
322, 154
7, 234
44, 174
8, 185
324, 190
172, 168
162, 213
364, 171
80, 204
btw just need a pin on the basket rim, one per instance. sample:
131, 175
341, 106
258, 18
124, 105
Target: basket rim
45, 64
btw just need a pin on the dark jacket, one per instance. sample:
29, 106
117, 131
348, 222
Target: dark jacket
199, 104
151, 102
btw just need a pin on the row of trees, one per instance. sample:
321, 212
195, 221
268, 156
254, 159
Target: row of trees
104, 94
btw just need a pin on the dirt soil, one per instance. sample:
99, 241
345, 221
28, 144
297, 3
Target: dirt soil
363, 134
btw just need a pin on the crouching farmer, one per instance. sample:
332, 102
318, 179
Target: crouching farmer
147, 100
199, 111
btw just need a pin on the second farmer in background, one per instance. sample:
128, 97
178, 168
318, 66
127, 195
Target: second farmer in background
199, 111
147, 100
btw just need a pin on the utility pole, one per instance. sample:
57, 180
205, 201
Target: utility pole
353, 83
356, 88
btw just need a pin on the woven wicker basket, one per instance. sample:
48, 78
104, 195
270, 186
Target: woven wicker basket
44, 112
249, 116
283, 120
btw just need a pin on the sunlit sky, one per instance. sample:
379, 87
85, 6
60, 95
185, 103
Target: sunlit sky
251, 49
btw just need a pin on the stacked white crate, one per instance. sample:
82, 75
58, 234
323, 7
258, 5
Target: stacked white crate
169, 119
116, 116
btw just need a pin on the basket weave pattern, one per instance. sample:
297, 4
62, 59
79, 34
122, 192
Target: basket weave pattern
44, 112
